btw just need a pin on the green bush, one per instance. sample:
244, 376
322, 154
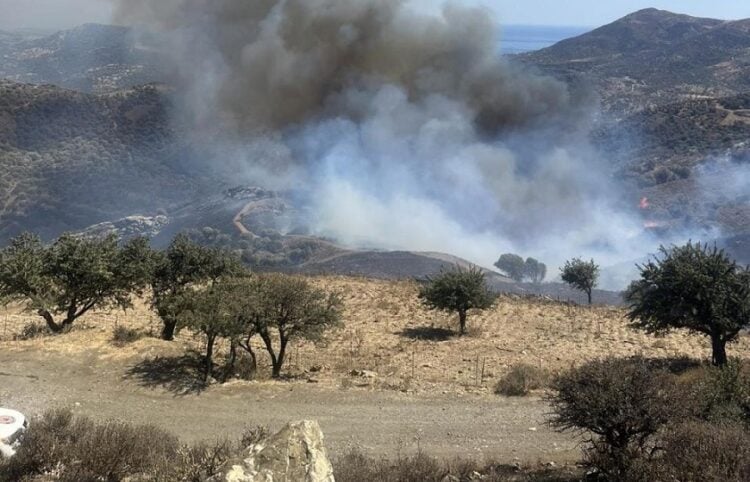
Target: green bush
521, 380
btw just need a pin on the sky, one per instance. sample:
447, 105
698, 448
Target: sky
58, 14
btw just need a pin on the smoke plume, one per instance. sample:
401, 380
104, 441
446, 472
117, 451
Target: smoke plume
405, 130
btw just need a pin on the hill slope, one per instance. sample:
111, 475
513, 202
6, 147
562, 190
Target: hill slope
654, 57
68, 160
89, 58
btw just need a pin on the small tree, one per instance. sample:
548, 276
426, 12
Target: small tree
534, 270
73, 276
286, 308
185, 264
696, 288
581, 275
213, 311
458, 291
512, 265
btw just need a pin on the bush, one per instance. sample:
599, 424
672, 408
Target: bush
623, 403
723, 394
698, 451
31, 331
123, 335
521, 380
77, 449
357, 467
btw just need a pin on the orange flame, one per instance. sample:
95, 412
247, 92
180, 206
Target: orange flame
644, 203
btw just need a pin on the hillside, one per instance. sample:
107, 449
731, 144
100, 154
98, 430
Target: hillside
654, 57
89, 58
68, 159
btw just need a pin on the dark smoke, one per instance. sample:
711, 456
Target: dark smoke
406, 130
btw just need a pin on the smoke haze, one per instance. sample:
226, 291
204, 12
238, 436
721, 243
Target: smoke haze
404, 130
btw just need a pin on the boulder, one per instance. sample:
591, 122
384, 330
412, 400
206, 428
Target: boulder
295, 454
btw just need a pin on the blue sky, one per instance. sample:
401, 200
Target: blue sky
50, 14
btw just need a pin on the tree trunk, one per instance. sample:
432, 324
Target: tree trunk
53, 327
209, 357
232, 359
167, 331
588, 293
279, 361
719, 351
462, 322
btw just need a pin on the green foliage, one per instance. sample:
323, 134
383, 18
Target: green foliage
458, 291
723, 394
581, 275
282, 308
622, 403
696, 288
73, 275
512, 265
182, 266
534, 271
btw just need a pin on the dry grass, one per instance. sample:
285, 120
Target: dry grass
388, 332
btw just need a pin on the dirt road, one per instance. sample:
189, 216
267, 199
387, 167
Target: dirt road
379, 422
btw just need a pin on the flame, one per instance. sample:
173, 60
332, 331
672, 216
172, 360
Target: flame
644, 203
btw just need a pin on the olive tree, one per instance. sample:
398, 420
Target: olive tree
693, 287
212, 311
182, 266
512, 265
288, 308
65, 280
458, 291
581, 275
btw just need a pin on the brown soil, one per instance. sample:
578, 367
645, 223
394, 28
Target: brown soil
430, 389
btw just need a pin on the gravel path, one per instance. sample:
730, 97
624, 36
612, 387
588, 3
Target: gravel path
381, 423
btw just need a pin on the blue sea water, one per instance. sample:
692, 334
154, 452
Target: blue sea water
516, 39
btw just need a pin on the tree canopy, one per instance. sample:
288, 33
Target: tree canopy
73, 275
182, 265
693, 287
458, 291
512, 265
581, 275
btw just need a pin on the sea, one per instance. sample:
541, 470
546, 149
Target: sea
517, 39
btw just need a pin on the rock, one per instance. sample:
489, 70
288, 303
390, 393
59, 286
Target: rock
296, 453
363, 373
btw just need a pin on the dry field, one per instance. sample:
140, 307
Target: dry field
387, 332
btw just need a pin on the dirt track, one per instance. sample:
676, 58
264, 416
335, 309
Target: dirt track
381, 423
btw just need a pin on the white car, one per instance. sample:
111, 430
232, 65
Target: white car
12, 426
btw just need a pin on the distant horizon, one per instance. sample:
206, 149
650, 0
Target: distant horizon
54, 15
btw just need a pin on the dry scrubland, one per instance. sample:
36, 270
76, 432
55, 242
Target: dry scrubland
386, 331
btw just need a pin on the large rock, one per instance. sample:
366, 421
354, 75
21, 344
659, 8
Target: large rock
295, 454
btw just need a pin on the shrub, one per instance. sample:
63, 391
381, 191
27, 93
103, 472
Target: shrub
32, 330
698, 451
123, 335
723, 394
521, 380
622, 403
356, 466
78, 449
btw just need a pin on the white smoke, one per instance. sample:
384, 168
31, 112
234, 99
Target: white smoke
404, 129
